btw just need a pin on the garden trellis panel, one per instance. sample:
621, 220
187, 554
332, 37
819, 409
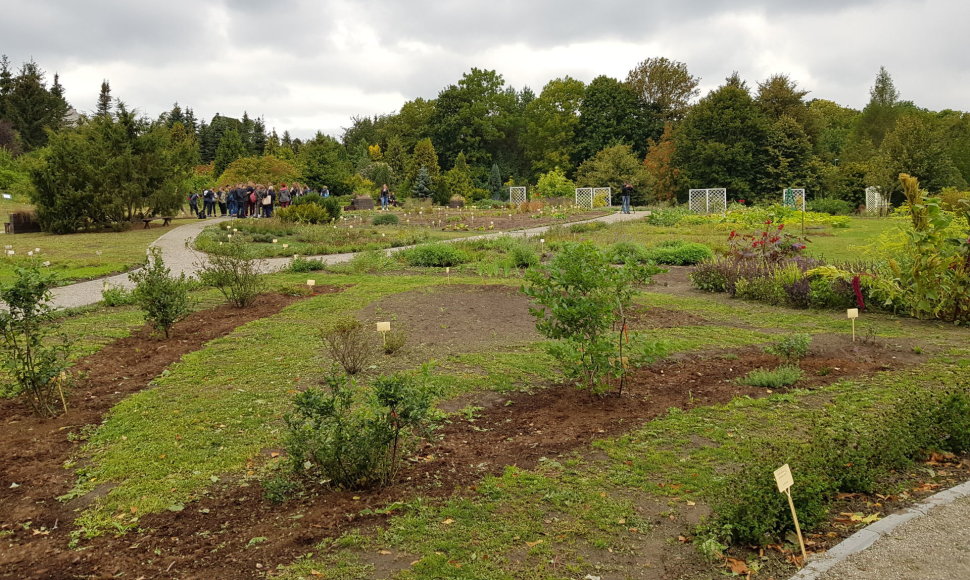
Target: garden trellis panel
711, 200
877, 202
794, 198
584, 197
518, 195
604, 193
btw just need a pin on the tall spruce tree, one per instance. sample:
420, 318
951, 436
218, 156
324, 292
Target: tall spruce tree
104, 100
231, 147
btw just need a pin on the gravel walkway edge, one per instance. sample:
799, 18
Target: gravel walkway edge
868, 536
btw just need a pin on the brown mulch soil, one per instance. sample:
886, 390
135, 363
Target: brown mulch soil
209, 538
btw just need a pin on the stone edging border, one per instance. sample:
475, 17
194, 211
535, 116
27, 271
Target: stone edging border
865, 537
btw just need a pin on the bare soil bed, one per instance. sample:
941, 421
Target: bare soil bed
209, 539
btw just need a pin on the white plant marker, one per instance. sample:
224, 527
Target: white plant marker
784, 479
286, 245
274, 241
311, 282
852, 314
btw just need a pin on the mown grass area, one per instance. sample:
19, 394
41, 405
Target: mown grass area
833, 244
76, 257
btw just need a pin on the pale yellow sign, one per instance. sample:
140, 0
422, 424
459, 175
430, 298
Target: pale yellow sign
383, 327
783, 478
311, 282
852, 313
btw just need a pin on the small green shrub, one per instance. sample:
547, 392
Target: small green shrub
307, 213
667, 217
233, 272
953, 418
385, 219
434, 255
832, 206
709, 276
303, 265
782, 376
523, 255
394, 341
163, 298
791, 347
116, 296
266, 238
33, 360
761, 290
627, 253
356, 444
350, 345
679, 253
371, 262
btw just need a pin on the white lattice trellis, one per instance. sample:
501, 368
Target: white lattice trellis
877, 202
584, 197
793, 198
604, 193
711, 200
518, 195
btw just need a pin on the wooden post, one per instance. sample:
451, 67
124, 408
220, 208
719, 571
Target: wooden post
784, 480
798, 529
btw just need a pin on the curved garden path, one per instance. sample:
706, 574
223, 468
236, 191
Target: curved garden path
181, 258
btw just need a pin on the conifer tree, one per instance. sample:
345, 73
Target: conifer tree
104, 100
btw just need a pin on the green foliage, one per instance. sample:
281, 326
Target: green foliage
579, 299
265, 169
930, 270
554, 183
783, 376
301, 264
679, 253
667, 216
324, 161
586, 227
110, 169
116, 296
791, 347
434, 255
231, 270
523, 255
163, 298
385, 219
34, 361
352, 444
613, 166
953, 419
394, 341
308, 213
831, 206
627, 253
349, 344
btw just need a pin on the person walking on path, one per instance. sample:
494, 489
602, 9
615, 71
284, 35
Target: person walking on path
385, 197
625, 192
194, 203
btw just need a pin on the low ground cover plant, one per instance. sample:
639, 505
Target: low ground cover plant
776, 378
679, 253
433, 255
31, 354
163, 297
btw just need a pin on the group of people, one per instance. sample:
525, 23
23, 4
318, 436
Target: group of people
247, 199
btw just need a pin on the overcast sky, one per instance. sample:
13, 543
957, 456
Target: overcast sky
308, 65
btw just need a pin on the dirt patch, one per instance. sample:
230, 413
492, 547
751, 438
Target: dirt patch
458, 318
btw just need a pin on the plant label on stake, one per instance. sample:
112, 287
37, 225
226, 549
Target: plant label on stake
384, 328
852, 313
311, 282
784, 479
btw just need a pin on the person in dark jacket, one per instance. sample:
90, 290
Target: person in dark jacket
625, 194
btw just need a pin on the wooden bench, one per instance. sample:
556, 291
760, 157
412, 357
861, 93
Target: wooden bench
166, 220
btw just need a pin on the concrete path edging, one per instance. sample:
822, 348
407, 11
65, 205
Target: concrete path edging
867, 536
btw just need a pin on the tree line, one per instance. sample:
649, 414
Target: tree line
480, 135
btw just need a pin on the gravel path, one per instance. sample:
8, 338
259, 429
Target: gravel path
181, 258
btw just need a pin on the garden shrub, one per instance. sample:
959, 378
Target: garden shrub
32, 356
231, 270
385, 219
303, 265
356, 444
349, 344
163, 298
627, 253
394, 341
434, 255
309, 213
580, 303
667, 217
679, 253
832, 206
370, 262
953, 419
522, 255
791, 347
116, 296
266, 238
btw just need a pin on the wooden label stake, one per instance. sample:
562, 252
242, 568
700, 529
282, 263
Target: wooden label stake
852, 314
784, 479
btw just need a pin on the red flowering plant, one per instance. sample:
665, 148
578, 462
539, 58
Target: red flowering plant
771, 245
